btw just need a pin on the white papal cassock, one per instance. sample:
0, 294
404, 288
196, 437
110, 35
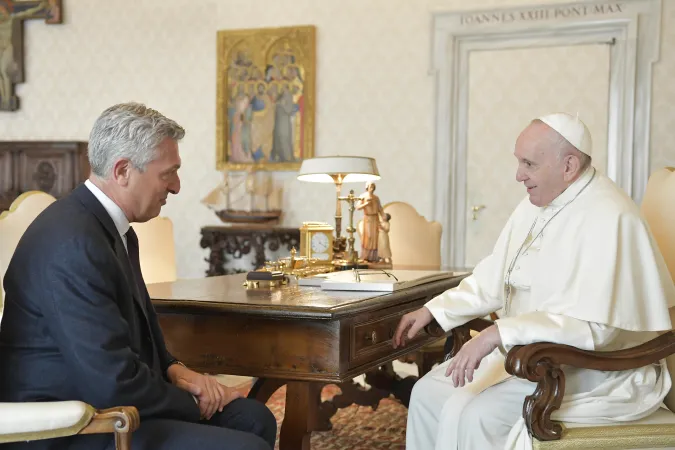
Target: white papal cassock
588, 274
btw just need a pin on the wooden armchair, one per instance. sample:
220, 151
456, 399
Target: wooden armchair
46, 420
541, 362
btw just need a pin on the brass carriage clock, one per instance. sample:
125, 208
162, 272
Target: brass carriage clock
316, 241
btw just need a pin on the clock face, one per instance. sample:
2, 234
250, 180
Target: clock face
319, 243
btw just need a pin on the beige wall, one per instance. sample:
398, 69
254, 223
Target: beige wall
374, 91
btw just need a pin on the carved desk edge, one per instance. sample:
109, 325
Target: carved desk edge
187, 306
541, 363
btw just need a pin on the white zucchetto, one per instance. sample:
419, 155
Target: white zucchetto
572, 129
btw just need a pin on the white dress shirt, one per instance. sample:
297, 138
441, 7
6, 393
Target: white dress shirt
116, 214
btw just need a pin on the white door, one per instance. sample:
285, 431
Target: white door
507, 89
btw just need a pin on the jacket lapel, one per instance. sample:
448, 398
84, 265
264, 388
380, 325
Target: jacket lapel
84, 195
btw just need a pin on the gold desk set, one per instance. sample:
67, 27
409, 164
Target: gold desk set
320, 251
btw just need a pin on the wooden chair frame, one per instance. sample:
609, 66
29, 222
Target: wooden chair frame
540, 362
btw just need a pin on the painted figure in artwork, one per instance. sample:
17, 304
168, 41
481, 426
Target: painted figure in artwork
8, 65
369, 227
267, 112
282, 145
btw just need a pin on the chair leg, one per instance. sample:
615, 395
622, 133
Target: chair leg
122, 441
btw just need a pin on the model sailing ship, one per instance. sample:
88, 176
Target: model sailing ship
251, 197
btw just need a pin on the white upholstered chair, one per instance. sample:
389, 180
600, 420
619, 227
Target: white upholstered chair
14, 222
415, 242
46, 420
157, 251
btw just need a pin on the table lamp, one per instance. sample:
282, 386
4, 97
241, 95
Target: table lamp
338, 170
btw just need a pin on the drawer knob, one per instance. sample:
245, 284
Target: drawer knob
372, 337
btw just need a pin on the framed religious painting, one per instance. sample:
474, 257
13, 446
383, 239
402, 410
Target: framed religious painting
265, 98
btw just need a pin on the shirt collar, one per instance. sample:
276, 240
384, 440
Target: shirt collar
116, 214
572, 190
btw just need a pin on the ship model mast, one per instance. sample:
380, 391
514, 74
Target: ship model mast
248, 198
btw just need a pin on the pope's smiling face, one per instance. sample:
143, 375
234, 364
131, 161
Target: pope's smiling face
547, 163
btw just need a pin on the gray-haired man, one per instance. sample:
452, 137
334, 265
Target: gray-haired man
78, 322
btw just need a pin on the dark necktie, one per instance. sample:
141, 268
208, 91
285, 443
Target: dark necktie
132, 249
151, 356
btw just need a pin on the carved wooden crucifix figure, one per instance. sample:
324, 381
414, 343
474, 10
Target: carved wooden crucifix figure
12, 15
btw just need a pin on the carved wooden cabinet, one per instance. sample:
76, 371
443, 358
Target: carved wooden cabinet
49, 166
232, 242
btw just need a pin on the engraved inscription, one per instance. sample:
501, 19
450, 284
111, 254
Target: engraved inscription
540, 13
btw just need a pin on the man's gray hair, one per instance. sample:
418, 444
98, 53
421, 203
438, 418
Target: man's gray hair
128, 130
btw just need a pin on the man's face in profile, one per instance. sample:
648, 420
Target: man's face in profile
149, 189
539, 168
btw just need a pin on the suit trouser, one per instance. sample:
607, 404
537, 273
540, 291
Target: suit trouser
244, 424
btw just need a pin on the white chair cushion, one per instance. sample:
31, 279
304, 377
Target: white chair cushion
33, 417
654, 431
661, 416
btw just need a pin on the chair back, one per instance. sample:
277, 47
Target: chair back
657, 207
415, 242
14, 222
157, 251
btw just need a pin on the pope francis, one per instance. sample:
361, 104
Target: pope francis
575, 264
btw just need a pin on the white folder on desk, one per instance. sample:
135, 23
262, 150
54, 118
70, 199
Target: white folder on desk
375, 279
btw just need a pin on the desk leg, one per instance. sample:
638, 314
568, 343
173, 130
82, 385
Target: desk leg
302, 399
263, 388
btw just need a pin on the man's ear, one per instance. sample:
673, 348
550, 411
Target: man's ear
572, 166
121, 171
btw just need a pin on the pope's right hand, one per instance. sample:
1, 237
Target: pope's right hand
410, 325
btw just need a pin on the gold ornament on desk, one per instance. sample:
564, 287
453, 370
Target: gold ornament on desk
316, 242
298, 266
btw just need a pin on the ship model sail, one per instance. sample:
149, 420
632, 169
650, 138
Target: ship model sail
249, 198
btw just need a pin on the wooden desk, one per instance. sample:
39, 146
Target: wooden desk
300, 336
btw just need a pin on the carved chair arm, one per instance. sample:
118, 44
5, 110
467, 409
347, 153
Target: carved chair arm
434, 329
122, 421
29, 421
541, 363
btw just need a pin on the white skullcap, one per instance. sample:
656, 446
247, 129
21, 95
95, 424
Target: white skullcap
571, 128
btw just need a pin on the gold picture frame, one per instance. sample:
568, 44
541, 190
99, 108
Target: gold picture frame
265, 98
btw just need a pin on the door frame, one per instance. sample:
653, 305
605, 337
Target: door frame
630, 27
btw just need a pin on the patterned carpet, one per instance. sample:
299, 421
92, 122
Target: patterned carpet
355, 427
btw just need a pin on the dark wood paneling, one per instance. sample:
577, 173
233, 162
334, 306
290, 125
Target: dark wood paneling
49, 166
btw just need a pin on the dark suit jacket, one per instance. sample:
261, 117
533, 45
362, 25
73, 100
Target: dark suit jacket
75, 325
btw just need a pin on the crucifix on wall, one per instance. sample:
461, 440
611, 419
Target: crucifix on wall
12, 15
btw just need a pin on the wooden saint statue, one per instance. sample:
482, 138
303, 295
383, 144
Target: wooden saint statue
369, 227
12, 15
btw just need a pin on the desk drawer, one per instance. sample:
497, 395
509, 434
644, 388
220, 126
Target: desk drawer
375, 336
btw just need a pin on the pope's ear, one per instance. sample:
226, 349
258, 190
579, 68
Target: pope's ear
572, 166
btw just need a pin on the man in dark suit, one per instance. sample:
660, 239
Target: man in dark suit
78, 322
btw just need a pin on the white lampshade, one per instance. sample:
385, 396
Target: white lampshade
352, 169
